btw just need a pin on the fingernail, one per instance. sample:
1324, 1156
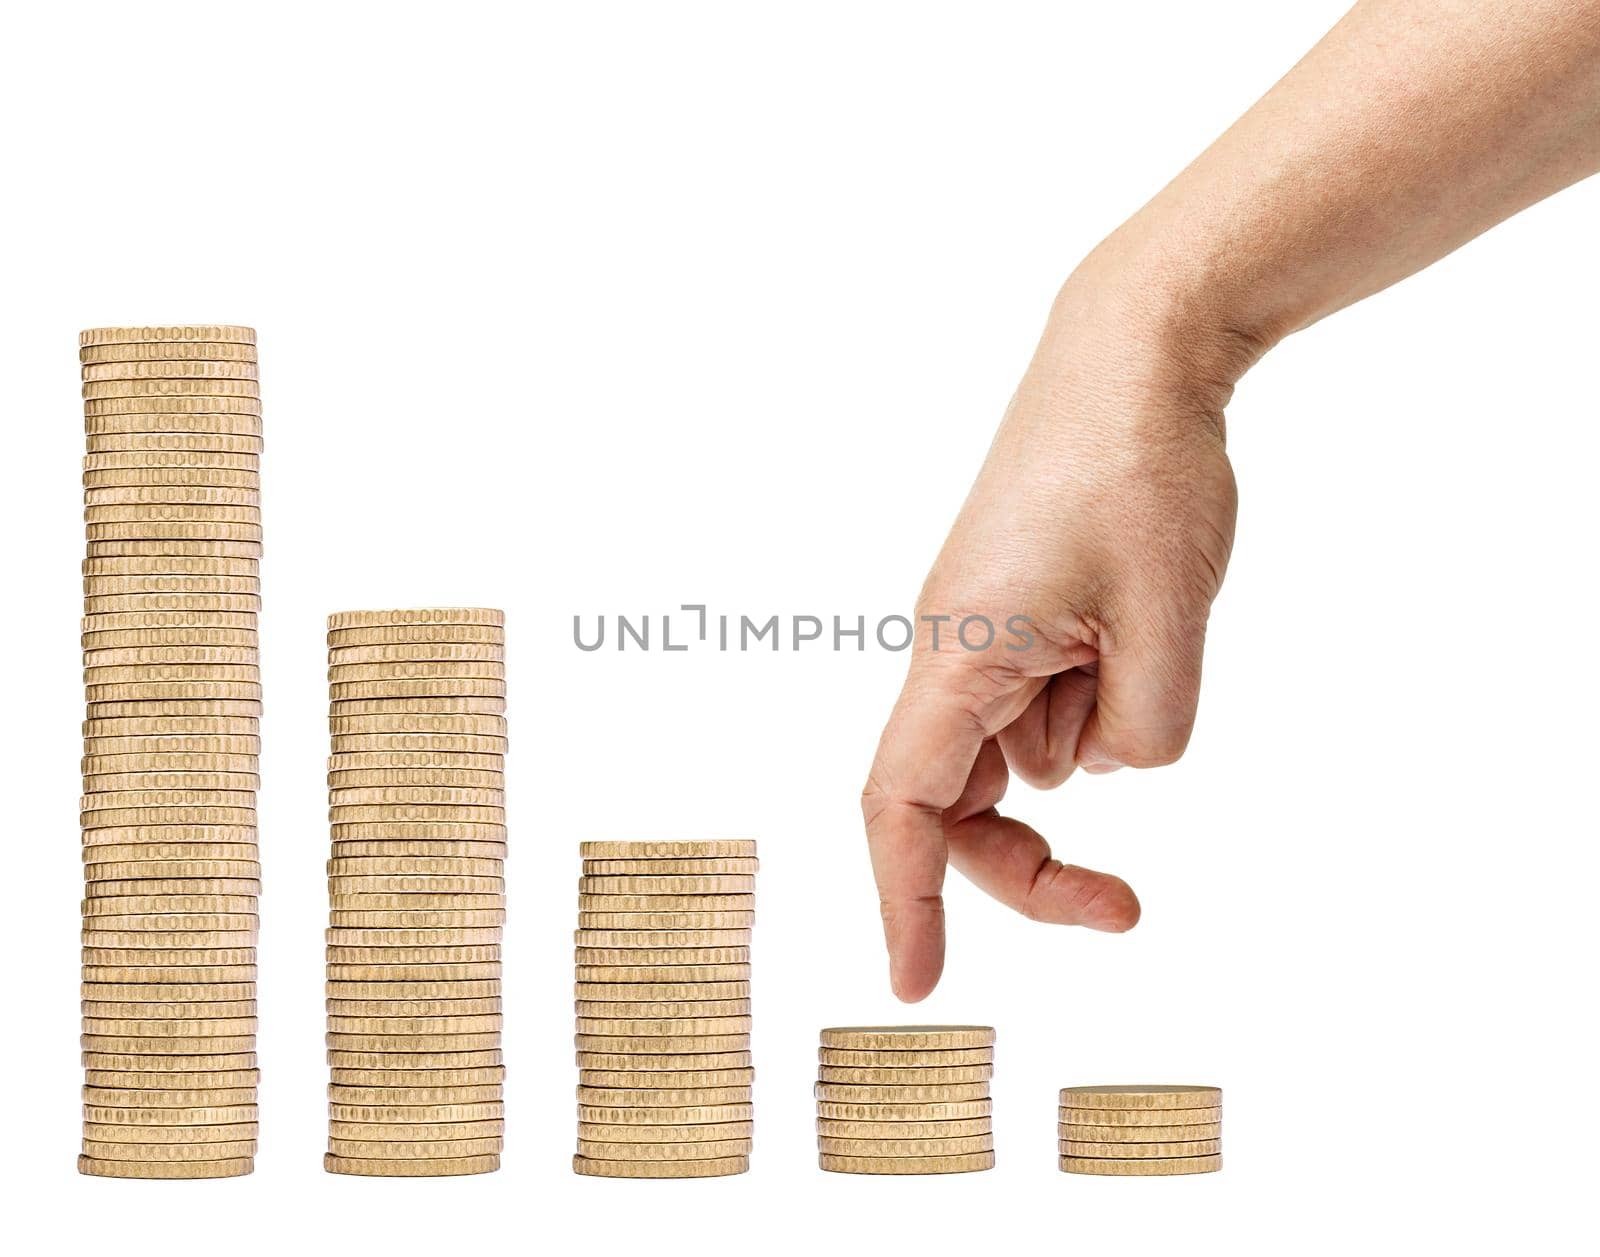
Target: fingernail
1101, 766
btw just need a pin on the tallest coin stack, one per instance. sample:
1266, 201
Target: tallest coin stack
171, 496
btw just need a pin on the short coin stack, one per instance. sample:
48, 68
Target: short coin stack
905, 1099
171, 494
663, 1008
416, 891
1141, 1130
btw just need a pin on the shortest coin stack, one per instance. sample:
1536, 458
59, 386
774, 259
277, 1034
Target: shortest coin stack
663, 1008
1140, 1130
905, 1099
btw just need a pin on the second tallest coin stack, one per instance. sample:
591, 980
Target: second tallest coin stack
416, 890
172, 507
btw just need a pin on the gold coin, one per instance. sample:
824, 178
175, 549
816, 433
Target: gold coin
663, 1010
167, 1082
411, 1042
666, 920
661, 940
666, 903
1142, 1168
229, 888
914, 1059
446, 971
464, 1058
116, 825
162, 1010
680, 885
177, 333
143, 905
381, 718
955, 1145
132, 1133
907, 1038
389, 744
683, 1097
358, 936
165, 1169
662, 1081
416, 1114
483, 1023
715, 1168
408, 1130
657, 1154
416, 635
153, 473
604, 1133
158, 512
358, 870
620, 964
624, 978
660, 992
123, 460
693, 850
1101, 1151
398, 759
214, 1115
739, 866
354, 697
133, 975
143, 762
413, 1150
926, 1112
426, 615
162, 939
131, 586
197, 404
193, 638
169, 350
156, 1028
169, 1154
677, 1027
942, 1093
386, 654
109, 872
449, 992
436, 795
463, 920
418, 1079
1141, 1097
415, 1095
434, 1167
416, 813
166, 992
417, 670
176, 529
916, 1076
634, 1062
835, 1128
415, 954
1138, 1134
398, 898
105, 390
172, 369
198, 957
124, 1098
191, 440
1140, 1117
198, 842
664, 1045
420, 847
163, 1066
962, 1163
682, 1115
141, 497
465, 1006
347, 785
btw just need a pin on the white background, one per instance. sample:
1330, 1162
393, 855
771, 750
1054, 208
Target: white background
598, 308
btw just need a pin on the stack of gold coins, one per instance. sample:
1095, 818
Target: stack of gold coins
1141, 1130
663, 1004
416, 890
905, 1099
171, 493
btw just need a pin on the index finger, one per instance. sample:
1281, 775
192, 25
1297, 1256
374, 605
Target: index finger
924, 758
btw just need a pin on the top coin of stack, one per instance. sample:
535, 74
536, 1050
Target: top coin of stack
905, 1099
171, 496
663, 1008
1141, 1129
416, 888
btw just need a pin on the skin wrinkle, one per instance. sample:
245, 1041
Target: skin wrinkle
1105, 509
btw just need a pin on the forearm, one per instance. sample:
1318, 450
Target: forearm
1414, 126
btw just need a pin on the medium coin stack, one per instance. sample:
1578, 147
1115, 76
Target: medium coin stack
171, 502
663, 1006
416, 891
1141, 1130
905, 1099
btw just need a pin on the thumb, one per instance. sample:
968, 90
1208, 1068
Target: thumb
1145, 695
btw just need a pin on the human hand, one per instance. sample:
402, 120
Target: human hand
1104, 515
